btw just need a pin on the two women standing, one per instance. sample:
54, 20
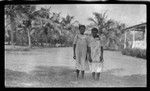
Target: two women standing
88, 52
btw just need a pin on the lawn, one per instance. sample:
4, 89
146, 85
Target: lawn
54, 67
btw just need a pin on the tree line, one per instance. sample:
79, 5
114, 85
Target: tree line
27, 26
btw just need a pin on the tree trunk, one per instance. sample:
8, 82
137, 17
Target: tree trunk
125, 40
29, 37
46, 41
12, 30
9, 38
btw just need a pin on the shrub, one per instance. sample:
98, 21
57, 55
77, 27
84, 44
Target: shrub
140, 53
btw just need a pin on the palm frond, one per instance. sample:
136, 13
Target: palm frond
91, 19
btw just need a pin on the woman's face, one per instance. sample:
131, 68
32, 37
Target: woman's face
82, 30
94, 33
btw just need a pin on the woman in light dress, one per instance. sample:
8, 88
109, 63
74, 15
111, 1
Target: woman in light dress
80, 51
95, 50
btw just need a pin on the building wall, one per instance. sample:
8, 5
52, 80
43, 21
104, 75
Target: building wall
139, 40
139, 44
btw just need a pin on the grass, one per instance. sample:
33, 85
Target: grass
53, 76
54, 67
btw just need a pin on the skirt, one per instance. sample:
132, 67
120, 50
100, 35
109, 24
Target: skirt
96, 66
83, 66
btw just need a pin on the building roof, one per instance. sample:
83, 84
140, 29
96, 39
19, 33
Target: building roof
138, 27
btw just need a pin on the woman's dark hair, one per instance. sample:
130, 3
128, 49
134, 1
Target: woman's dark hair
95, 29
81, 26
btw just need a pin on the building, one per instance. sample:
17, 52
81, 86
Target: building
136, 36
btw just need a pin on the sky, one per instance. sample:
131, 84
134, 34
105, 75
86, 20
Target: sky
130, 14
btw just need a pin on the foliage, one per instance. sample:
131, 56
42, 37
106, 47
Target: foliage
140, 53
45, 28
110, 29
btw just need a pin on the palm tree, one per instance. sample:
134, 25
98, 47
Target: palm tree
23, 11
50, 24
30, 15
43, 13
109, 28
7, 30
119, 33
12, 12
99, 20
55, 17
68, 27
104, 26
115, 33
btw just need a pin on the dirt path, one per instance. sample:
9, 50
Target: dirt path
54, 67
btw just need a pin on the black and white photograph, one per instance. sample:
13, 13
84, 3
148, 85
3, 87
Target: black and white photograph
75, 45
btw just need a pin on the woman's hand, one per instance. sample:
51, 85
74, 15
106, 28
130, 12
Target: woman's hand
101, 59
74, 57
90, 59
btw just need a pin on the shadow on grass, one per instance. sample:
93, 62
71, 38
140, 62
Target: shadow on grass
53, 76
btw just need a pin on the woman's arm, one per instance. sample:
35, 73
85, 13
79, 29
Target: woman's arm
74, 47
101, 57
89, 53
101, 52
88, 49
101, 42
74, 51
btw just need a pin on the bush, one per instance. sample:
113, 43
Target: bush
140, 53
